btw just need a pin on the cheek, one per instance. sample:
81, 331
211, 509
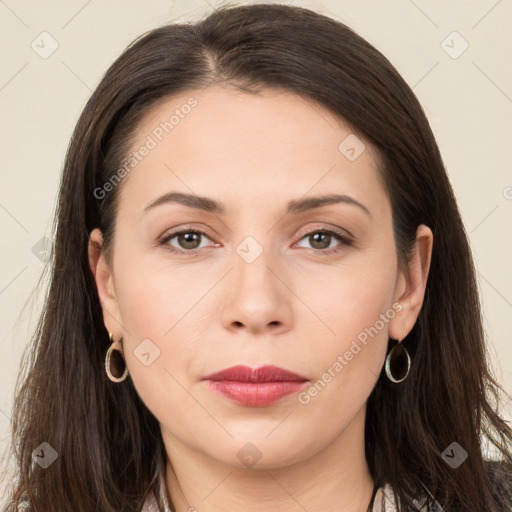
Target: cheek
153, 307
350, 296
356, 307
153, 298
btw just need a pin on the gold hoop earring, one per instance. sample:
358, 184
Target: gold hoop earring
114, 361
398, 363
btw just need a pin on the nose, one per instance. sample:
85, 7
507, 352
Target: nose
258, 298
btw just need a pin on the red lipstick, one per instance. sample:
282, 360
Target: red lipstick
255, 387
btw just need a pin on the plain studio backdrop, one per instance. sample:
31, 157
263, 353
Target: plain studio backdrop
455, 55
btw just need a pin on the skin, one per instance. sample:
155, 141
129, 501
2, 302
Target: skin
290, 307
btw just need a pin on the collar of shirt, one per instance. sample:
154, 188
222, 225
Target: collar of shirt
384, 501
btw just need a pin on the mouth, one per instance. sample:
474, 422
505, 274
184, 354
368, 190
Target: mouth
255, 387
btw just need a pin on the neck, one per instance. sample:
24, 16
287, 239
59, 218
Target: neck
335, 479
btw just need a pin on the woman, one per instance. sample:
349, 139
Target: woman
262, 294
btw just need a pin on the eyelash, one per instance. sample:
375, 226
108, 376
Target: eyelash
188, 229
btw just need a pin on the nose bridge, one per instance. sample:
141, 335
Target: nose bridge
254, 262
257, 296
253, 237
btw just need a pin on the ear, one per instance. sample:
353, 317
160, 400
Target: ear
104, 279
410, 287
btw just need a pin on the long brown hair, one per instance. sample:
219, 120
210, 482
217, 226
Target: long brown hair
109, 445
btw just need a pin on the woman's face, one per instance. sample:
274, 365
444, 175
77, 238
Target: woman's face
262, 284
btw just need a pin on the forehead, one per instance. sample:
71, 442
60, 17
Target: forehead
221, 140
280, 118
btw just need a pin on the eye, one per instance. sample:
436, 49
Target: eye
321, 240
188, 240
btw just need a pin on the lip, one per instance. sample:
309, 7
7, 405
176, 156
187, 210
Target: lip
255, 387
267, 373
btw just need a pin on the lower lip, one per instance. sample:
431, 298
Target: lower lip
255, 394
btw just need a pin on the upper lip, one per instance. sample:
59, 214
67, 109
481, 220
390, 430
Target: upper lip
265, 373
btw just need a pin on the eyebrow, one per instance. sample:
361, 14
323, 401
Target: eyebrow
295, 206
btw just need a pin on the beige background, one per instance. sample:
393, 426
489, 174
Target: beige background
468, 101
